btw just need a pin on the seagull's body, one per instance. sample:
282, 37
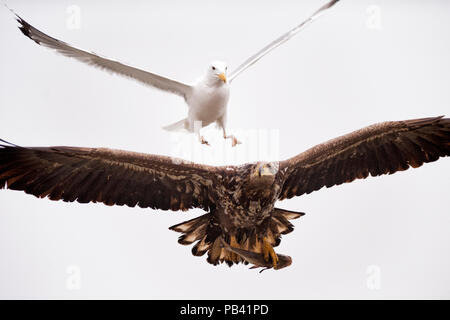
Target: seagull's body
207, 98
207, 102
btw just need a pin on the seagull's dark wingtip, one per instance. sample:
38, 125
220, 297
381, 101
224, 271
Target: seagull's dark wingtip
24, 26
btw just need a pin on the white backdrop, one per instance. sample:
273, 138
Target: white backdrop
362, 62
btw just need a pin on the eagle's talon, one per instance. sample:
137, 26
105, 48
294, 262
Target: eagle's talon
268, 251
234, 244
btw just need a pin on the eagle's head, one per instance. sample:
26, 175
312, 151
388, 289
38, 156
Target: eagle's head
263, 174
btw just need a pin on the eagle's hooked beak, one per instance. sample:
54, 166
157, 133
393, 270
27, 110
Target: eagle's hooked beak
222, 77
264, 171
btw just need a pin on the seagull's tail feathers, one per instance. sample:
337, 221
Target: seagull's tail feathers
177, 126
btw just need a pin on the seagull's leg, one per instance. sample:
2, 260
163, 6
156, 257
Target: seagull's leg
234, 141
202, 140
267, 251
196, 126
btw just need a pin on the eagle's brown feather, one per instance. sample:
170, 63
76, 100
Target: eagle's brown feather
239, 199
383, 148
109, 176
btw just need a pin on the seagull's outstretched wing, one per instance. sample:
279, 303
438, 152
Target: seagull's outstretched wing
148, 78
113, 177
382, 148
285, 37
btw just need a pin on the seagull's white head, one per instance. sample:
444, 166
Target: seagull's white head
217, 71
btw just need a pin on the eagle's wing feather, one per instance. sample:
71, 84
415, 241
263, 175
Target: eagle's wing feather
113, 177
382, 148
93, 59
280, 40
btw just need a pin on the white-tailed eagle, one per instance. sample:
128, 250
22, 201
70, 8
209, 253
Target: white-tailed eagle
239, 200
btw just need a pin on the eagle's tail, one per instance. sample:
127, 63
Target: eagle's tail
202, 229
207, 232
279, 223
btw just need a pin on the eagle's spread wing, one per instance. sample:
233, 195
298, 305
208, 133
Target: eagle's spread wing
108, 176
382, 148
148, 78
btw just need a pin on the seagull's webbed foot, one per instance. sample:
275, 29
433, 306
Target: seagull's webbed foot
267, 251
203, 141
234, 141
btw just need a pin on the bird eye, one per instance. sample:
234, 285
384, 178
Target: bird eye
214, 68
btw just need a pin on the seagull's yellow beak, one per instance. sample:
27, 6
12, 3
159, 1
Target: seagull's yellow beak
222, 77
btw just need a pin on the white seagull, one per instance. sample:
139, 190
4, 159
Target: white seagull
207, 98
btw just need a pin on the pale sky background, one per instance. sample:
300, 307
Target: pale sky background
362, 62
